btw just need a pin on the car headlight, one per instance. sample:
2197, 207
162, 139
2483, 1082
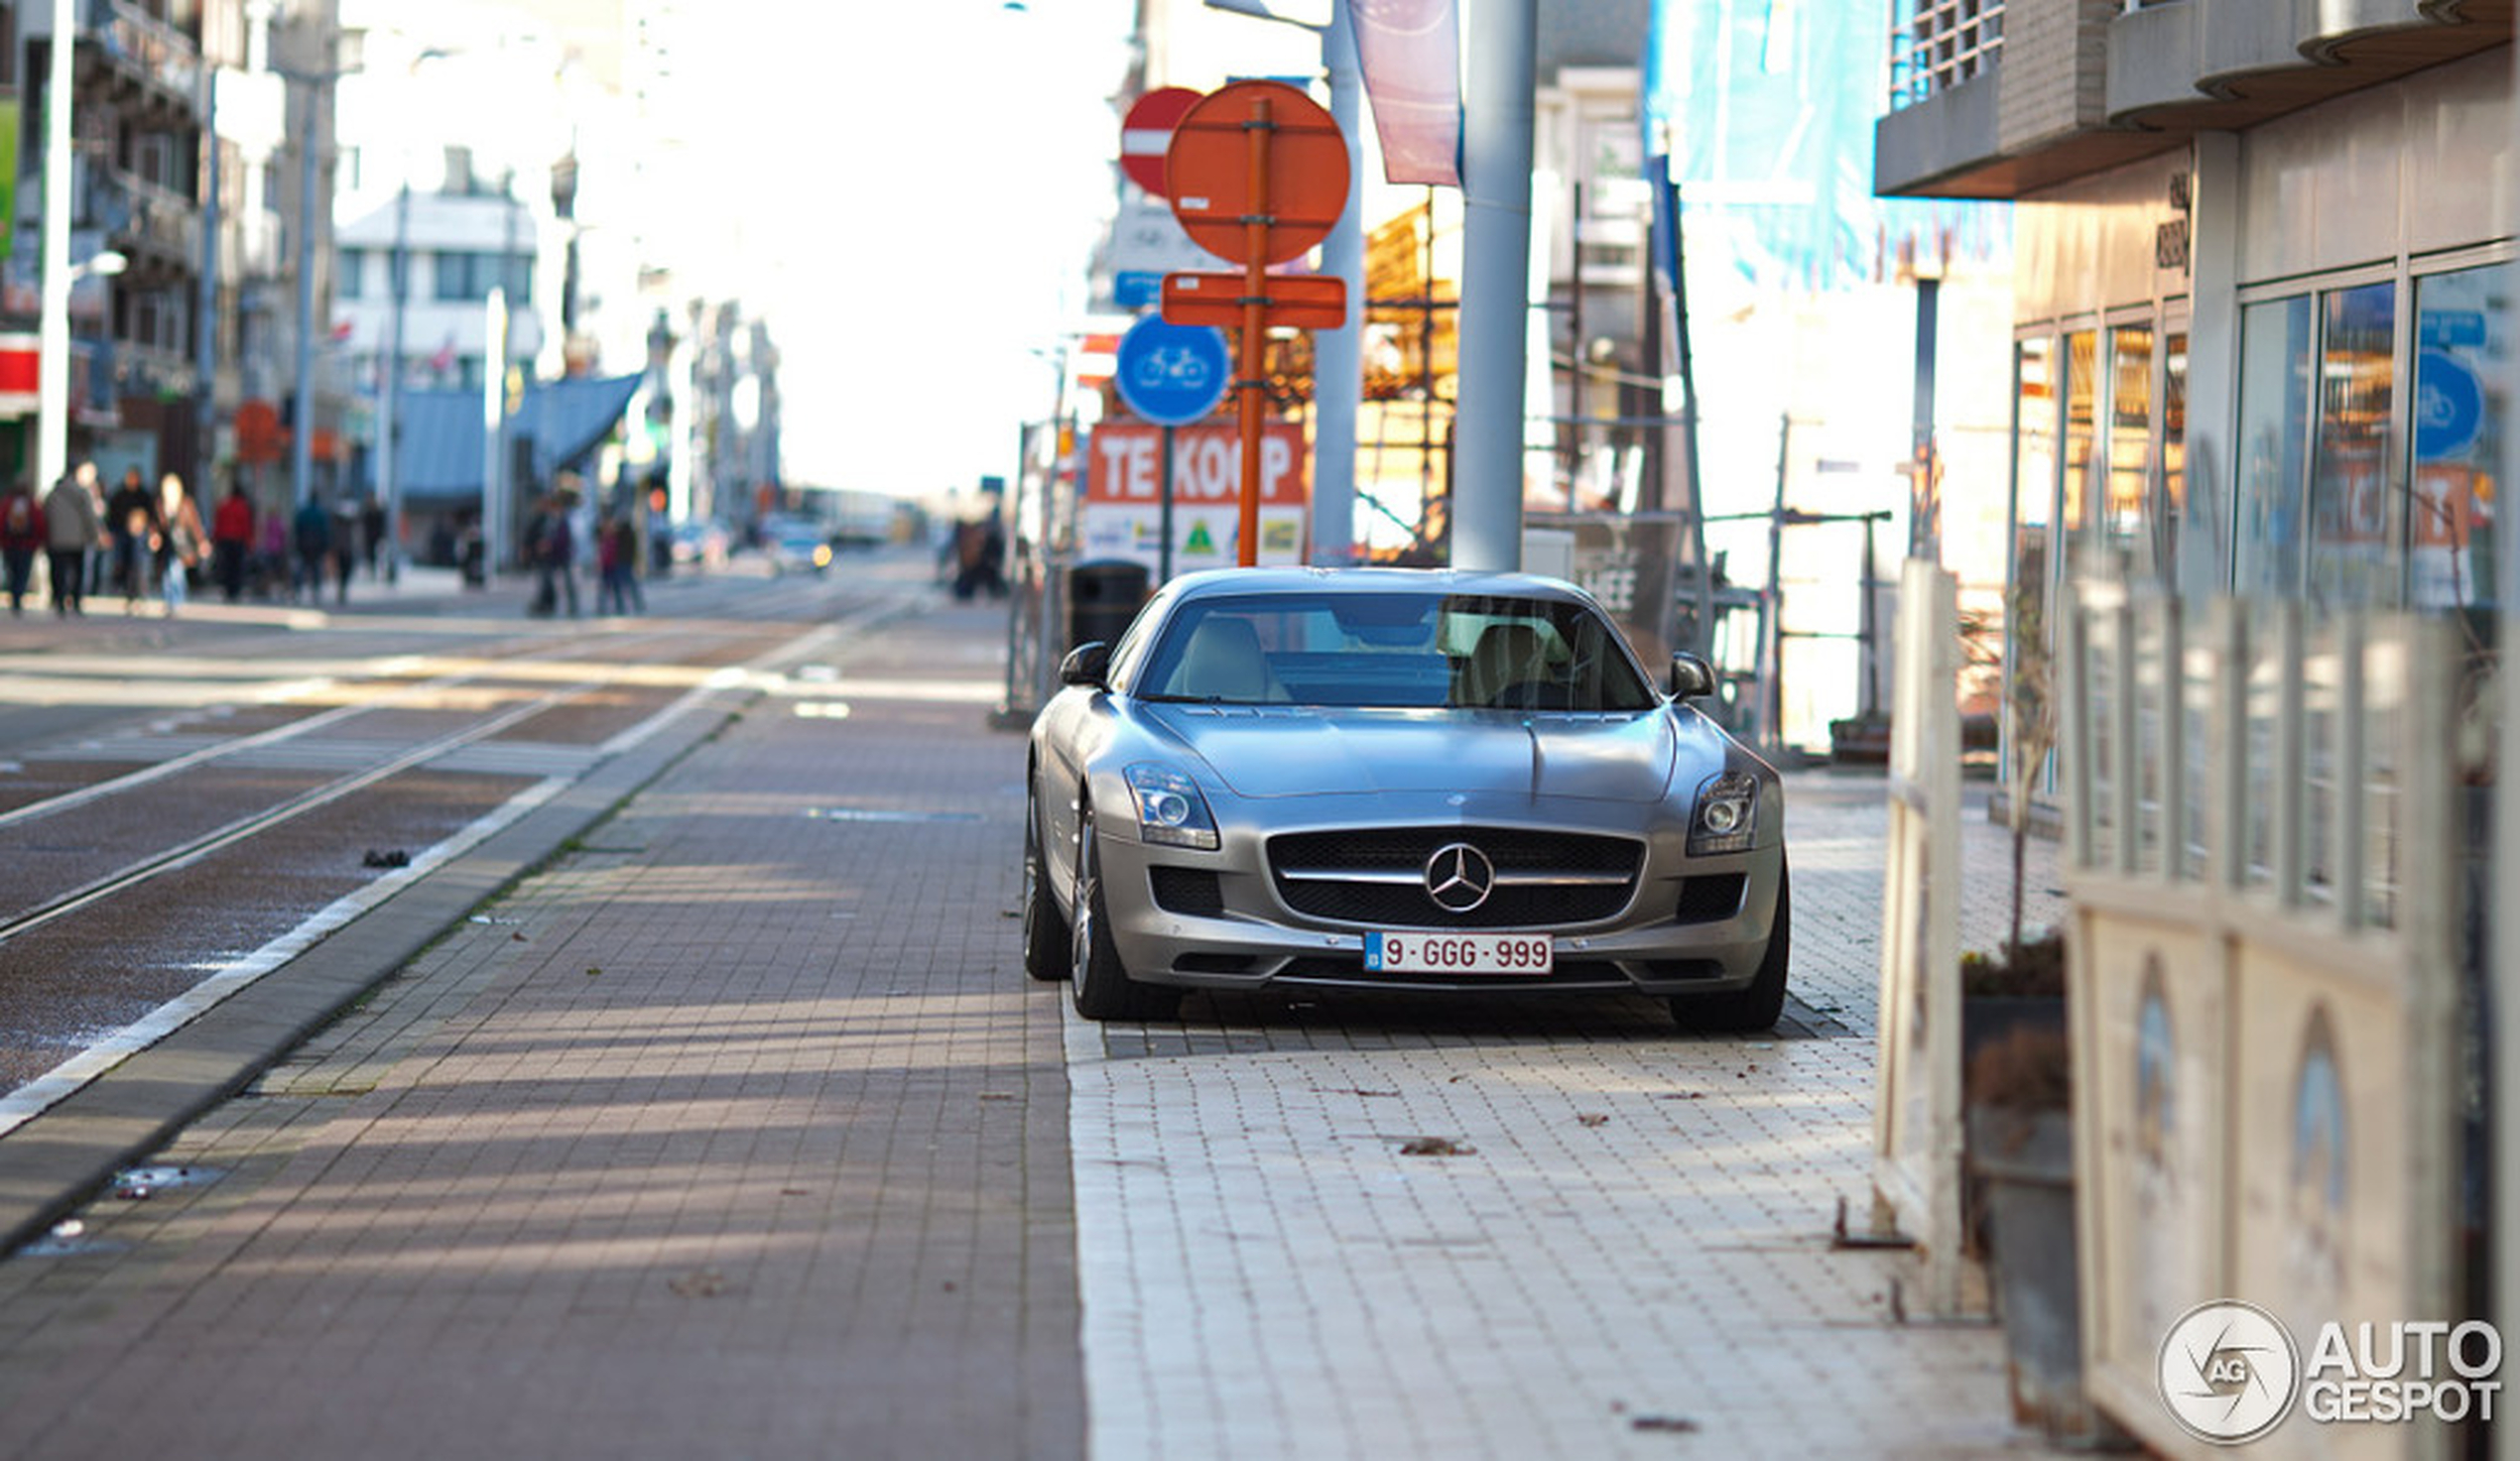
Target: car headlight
1170, 809
1726, 816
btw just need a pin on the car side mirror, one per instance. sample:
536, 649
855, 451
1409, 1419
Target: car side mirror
1690, 676
1086, 664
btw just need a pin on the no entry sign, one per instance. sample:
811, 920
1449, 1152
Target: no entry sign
1146, 134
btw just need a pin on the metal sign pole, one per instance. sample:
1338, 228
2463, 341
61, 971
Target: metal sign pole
1164, 546
1255, 325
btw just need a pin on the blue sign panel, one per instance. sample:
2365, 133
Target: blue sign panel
1136, 289
2450, 406
1172, 374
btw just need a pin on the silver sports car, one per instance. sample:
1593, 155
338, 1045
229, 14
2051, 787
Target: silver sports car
1382, 779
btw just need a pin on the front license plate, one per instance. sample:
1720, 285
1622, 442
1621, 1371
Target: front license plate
1458, 953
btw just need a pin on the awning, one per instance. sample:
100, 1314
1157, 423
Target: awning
442, 434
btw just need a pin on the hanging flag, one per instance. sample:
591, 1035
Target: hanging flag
1411, 53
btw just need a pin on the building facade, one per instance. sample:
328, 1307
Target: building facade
2263, 275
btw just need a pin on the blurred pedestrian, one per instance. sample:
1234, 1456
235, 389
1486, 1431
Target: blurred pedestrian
232, 541
131, 515
272, 573
310, 534
21, 534
617, 559
180, 541
345, 547
553, 552
372, 534
72, 526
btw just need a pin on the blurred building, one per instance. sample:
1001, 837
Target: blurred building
136, 190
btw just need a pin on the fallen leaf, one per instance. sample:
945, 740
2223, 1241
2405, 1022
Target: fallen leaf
1668, 1425
592, 971
1435, 1146
1593, 1118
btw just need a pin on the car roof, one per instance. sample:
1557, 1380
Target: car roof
1215, 582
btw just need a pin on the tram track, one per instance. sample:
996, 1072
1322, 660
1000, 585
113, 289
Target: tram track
101, 961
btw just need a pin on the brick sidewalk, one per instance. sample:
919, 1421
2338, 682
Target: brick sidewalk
738, 1131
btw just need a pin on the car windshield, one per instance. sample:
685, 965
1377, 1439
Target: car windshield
1395, 650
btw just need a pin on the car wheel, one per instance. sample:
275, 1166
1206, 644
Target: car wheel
1046, 951
1756, 1007
1100, 986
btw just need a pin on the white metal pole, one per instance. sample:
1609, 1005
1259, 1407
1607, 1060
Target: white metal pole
1338, 356
302, 423
52, 374
494, 411
1502, 48
389, 476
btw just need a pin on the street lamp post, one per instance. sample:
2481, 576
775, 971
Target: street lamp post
52, 342
302, 428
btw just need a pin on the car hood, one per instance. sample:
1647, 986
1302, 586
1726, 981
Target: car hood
1296, 751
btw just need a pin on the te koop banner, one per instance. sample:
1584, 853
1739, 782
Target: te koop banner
1124, 486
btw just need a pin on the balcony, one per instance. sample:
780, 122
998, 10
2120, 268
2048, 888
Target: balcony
1999, 99
2216, 65
140, 61
158, 230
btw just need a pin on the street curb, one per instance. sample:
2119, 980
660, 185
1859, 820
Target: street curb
55, 1162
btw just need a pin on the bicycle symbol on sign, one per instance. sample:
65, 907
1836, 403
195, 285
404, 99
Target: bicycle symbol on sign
1177, 366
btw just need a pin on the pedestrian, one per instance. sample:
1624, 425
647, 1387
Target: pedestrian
626, 532
345, 549
131, 515
180, 541
616, 555
551, 545
72, 526
271, 573
310, 532
232, 541
21, 534
372, 534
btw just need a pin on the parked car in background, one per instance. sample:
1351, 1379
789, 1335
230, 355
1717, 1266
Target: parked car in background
700, 541
1380, 779
796, 545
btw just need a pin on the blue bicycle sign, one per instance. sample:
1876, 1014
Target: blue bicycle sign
1172, 374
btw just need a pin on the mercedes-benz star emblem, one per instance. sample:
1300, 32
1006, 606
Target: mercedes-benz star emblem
1460, 877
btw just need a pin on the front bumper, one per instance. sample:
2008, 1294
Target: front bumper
1683, 929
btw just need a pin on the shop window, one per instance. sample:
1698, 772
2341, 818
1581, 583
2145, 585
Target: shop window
2275, 343
2028, 701
2082, 453
2125, 516
2171, 506
2350, 564
2456, 424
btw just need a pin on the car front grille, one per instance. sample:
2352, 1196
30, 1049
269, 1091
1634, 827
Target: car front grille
1378, 877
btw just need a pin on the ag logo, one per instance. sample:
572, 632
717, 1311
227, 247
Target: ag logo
2228, 1372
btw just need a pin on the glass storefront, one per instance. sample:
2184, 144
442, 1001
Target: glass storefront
2274, 442
2349, 517
2455, 415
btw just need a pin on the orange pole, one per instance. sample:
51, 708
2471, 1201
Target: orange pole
1255, 324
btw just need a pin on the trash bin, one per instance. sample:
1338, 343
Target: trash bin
1102, 597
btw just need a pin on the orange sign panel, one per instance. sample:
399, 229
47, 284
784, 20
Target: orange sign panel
1298, 301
